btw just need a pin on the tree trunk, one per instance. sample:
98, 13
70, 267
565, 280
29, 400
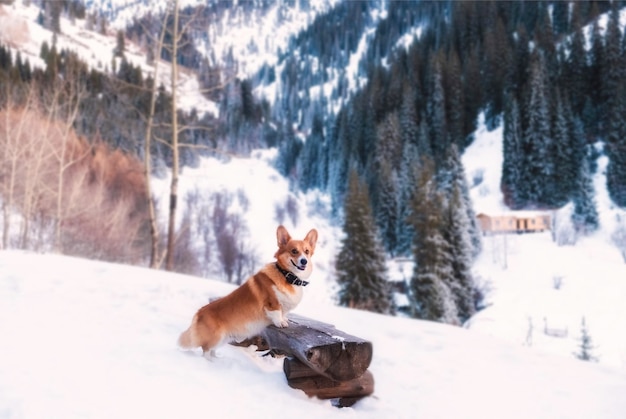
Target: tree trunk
171, 230
155, 258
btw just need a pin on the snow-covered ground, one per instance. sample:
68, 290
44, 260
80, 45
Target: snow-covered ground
85, 339
537, 284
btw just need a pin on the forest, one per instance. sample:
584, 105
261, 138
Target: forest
551, 73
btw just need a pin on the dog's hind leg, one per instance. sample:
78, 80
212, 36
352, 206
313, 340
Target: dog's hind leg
211, 339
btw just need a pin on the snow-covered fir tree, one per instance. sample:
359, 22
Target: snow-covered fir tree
511, 153
453, 180
538, 167
585, 215
616, 149
565, 167
360, 264
585, 347
406, 187
430, 292
457, 233
436, 113
384, 182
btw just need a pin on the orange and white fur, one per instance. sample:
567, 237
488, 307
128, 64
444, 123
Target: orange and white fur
265, 298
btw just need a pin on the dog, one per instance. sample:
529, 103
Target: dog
265, 298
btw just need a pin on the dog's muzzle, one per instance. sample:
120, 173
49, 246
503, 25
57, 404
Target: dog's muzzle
301, 265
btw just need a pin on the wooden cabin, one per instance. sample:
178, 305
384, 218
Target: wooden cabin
514, 222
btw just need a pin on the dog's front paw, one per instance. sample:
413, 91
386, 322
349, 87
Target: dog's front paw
281, 323
277, 318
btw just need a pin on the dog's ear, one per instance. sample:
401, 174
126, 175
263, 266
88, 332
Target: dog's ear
282, 235
311, 238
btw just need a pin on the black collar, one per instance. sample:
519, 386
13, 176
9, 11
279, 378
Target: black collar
291, 278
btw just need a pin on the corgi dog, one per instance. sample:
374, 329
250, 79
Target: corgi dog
265, 298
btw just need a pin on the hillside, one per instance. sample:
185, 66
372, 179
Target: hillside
521, 270
19, 30
84, 339
537, 283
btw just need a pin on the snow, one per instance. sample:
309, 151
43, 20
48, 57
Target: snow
85, 339
254, 38
538, 284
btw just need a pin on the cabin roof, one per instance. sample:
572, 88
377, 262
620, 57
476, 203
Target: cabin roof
515, 214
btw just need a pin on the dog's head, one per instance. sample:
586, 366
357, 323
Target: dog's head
295, 255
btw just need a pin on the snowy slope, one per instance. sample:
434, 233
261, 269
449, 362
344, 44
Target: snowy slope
20, 31
522, 270
84, 339
253, 38
129, 367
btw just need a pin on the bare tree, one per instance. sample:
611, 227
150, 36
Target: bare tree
171, 229
13, 151
66, 153
174, 28
155, 258
178, 38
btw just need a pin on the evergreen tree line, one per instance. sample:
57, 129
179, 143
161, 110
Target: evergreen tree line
114, 105
113, 101
520, 64
568, 99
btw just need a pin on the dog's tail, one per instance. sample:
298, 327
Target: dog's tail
186, 339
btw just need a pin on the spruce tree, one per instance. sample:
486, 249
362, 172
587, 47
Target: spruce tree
585, 348
338, 162
120, 44
510, 181
436, 112
560, 16
387, 214
585, 216
406, 186
360, 264
431, 297
616, 150
538, 167
457, 233
612, 68
595, 72
455, 101
384, 179
615, 130
452, 180
565, 171
497, 57
311, 161
577, 65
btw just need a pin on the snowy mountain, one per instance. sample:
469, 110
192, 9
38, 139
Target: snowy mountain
518, 370
253, 32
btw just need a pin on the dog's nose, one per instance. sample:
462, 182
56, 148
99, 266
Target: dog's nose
303, 262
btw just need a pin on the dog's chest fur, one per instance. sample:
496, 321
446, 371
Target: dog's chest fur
288, 300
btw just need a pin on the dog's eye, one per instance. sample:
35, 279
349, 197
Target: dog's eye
294, 251
306, 251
